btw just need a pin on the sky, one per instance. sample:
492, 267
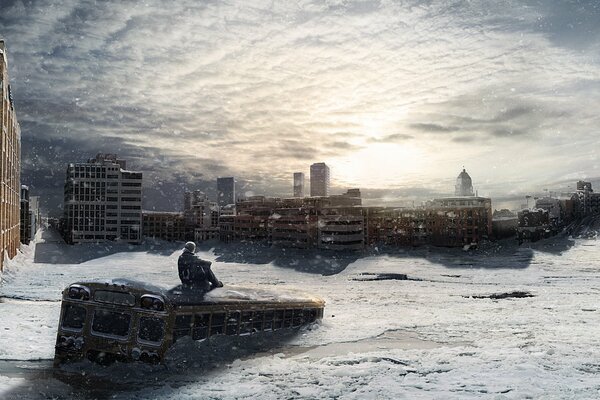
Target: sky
395, 96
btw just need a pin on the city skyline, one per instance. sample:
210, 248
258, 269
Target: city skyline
509, 90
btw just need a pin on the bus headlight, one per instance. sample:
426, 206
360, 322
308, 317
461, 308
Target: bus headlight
79, 292
152, 302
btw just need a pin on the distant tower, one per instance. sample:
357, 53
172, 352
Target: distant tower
225, 191
464, 185
319, 179
298, 184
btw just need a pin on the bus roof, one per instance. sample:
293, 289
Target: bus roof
180, 296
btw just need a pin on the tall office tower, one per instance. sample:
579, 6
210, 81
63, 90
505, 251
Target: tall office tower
298, 184
225, 191
319, 179
464, 185
103, 201
10, 166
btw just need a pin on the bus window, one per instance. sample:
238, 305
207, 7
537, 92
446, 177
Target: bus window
278, 320
183, 324
107, 296
74, 317
312, 315
257, 322
246, 323
151, 329
217, 323
287, 320
269, 314
298, 318
111, 323
233, 321
201, 322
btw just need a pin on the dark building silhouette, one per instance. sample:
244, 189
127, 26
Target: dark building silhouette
225, 191
319, 179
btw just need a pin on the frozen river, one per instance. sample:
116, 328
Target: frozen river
437, 334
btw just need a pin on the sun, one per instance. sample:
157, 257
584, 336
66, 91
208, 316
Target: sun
378, 165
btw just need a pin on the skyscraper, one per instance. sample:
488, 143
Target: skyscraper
319, 179
225, 191
103, 201
464, 185
10, 177
298, 184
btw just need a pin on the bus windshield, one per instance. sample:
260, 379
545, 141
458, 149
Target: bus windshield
111, 323
74, 317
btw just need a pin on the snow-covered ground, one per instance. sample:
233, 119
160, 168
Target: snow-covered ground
431, 336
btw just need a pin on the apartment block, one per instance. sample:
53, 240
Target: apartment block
102, 201
10, 166
163, 225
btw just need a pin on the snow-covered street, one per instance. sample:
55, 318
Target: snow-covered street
433, 335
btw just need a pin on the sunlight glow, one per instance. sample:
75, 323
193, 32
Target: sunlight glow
379, 164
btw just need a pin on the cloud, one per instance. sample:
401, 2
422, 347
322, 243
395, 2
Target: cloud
260, 90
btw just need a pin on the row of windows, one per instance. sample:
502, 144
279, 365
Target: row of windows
201, 326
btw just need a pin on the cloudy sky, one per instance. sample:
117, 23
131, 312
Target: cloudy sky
396, 96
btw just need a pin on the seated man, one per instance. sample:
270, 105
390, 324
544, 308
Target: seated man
195, 272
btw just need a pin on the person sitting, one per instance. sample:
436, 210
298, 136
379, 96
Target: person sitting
195, 272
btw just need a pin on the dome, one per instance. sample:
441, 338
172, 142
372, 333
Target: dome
464, 184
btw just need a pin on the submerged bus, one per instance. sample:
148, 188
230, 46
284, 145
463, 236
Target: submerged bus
125, 320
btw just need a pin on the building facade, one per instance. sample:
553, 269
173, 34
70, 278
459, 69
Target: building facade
164, 225
319, 179
10, 166
225, 191
201, 216
298, 184
102, 202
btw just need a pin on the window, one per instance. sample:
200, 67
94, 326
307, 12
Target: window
106, 296
74, 317
269, 314
217, 323
151, 329
246, 323
257, 321
233, 321
201, 322
111, 323
183, 324
278, 319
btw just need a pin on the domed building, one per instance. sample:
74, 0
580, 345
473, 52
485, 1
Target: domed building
464, 185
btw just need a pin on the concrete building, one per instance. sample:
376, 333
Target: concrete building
163, 225
10, 166
294, 227
341, 228
464, 185
25, 223
225, 191
350, 198
201, 216
298, 184
445, 222
319, 179
459, 221
588, 201
534, 225
103, 201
